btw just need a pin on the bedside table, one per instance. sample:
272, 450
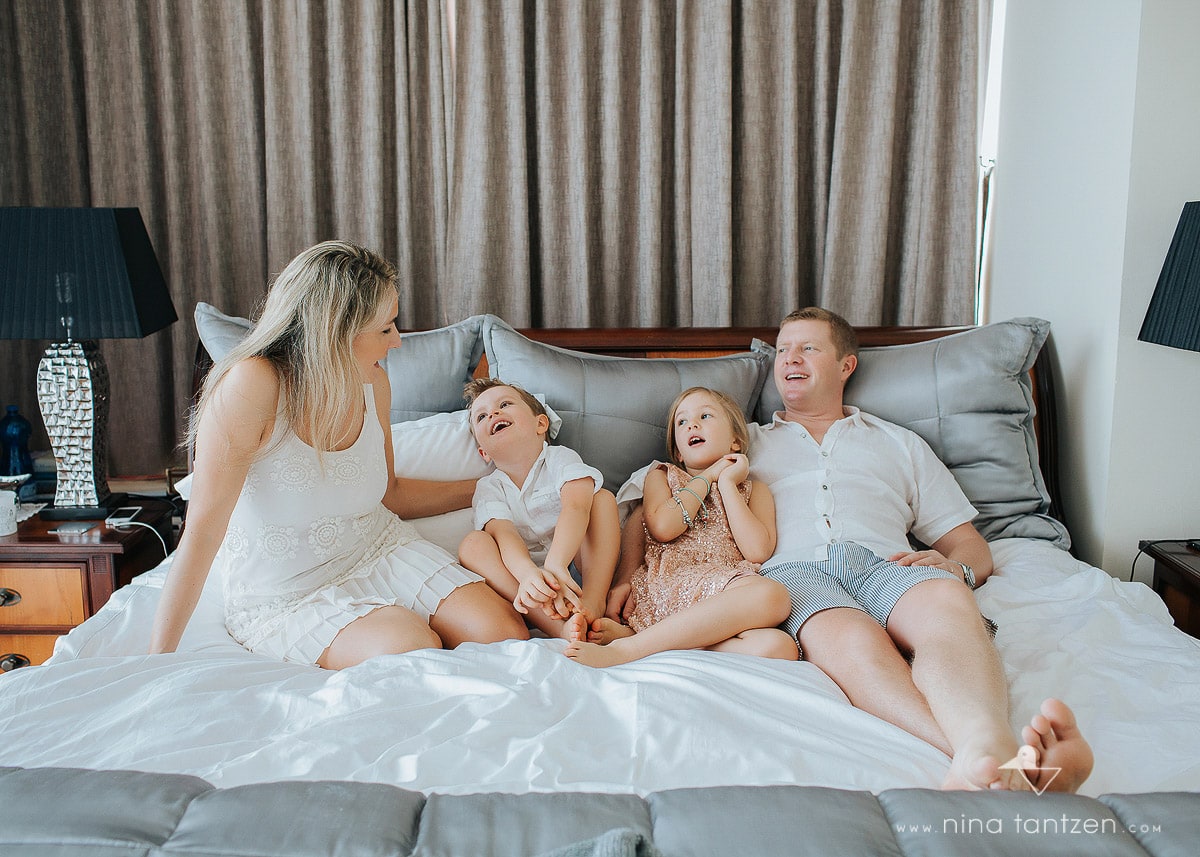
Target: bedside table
1177, 581
49, 583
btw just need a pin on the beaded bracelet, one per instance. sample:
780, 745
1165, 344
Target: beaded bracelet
687, 519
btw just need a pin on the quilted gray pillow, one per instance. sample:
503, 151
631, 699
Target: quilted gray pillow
614, 409
427, 371
970, 397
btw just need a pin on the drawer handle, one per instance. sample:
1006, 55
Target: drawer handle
9, 597
12, 661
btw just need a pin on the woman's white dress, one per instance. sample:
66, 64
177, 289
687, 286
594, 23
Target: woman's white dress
311, 547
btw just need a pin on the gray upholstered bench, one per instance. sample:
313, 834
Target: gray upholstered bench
65, 811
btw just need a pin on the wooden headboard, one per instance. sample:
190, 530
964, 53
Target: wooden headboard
716, 341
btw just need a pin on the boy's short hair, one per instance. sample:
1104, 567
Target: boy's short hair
845, 340
478, 386
741, 432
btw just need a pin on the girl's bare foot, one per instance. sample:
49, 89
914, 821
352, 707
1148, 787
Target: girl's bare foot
1064, 758
596, 655
605, 630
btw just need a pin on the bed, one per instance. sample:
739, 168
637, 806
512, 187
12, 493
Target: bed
692, 749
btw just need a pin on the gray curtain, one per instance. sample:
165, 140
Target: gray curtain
244, 131
713, 163
567, 163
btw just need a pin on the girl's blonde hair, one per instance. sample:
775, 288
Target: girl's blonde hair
741, 432
326, 296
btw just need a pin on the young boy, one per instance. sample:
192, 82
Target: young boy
540, 511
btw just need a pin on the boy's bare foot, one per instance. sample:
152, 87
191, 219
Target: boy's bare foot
1056, 738
605, 630
575, 628
596, 655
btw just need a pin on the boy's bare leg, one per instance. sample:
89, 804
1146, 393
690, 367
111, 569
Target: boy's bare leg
633, 555
599, 552
746, 602
480, 553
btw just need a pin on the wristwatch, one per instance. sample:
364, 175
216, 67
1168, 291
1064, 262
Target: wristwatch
968, 573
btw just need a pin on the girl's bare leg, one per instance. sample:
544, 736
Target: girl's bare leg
605, 630
761, 642
749, 602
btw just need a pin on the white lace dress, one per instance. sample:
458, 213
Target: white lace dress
311, 547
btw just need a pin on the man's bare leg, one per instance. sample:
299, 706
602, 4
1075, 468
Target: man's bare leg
956, 667
1055, 736
856, 652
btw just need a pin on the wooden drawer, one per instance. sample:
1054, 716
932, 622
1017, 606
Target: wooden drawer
50, 595
36, 647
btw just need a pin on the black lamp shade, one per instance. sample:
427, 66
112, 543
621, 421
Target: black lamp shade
1174, 315
118, 288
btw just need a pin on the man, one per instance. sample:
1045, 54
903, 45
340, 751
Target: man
849, 489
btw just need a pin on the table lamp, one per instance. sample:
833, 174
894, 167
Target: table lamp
1173, 318
73, 276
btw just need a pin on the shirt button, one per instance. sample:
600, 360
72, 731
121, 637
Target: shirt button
824, 453
824, 487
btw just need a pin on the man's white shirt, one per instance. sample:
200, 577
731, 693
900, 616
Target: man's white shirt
868, 481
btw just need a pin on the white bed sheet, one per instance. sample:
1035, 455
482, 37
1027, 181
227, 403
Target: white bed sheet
519, 716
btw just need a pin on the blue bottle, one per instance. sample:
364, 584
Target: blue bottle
14, 442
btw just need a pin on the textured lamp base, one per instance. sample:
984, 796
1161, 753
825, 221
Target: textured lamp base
72, 388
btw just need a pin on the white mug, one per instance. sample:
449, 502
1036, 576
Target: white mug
8, 513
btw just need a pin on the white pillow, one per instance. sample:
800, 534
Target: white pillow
442, 448
439, 448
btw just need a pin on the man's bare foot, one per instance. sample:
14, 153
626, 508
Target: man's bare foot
605, 630
1055, 736
575, 628
972, 771
596, 655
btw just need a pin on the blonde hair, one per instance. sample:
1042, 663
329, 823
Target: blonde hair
845, 340
478, 386
326, 296
737, 420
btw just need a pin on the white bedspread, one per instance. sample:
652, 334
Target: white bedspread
520, 717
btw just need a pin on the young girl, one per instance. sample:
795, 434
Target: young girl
707, 530
294, 498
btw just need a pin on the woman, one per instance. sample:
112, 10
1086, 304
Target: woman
293, 494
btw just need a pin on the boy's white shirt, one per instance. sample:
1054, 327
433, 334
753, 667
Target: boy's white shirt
534, 507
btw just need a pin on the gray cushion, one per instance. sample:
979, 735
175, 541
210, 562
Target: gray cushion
430, 367
427, 371
364, 819
970, 397
614, 409
793, 820
73, 813
982, 822
219, 332
498, 825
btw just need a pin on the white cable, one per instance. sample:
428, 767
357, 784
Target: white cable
158, 535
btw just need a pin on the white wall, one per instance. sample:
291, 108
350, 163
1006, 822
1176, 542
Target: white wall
1098, 143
